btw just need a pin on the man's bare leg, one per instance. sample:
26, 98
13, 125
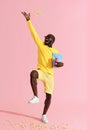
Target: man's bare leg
47, 103
46, 107
33, 81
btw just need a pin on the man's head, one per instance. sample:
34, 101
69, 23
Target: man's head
49, 40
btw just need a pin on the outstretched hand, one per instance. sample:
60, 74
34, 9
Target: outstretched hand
27, 16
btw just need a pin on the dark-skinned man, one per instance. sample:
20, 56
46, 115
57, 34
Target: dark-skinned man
44, 70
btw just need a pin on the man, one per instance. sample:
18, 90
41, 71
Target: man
44, 71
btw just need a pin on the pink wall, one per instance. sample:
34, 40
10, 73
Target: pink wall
67, 20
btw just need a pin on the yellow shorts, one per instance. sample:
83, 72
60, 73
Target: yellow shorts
48, 81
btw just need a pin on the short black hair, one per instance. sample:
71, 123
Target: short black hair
52, 36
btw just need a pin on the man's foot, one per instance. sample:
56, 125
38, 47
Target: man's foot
35, 99
44, 119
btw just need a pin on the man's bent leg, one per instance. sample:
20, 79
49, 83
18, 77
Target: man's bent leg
33, 81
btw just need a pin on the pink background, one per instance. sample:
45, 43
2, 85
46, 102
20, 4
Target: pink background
67, 20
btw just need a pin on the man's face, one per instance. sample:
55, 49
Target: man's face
48, 41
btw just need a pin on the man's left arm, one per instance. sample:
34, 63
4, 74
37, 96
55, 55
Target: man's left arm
59, 64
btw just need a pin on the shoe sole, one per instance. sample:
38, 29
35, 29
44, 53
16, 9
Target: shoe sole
33, 102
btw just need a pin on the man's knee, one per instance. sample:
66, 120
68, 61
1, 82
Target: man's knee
34, 74
48, 96
48, 99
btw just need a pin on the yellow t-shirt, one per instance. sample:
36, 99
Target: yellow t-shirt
44, 52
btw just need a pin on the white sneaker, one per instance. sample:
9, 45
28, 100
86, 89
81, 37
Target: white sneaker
35, 99
44, 119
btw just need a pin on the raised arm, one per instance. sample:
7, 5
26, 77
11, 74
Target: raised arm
36, 38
